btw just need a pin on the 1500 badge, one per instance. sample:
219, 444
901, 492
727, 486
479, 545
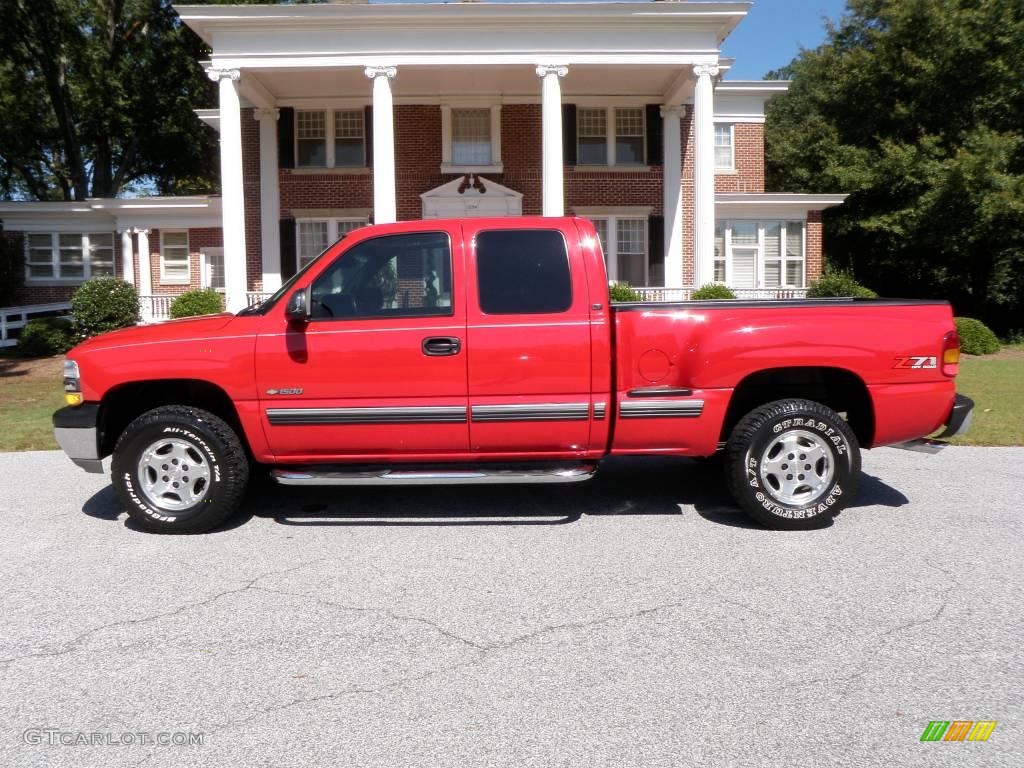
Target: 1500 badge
298, 390
920, 361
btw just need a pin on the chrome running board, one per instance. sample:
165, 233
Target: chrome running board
483, 474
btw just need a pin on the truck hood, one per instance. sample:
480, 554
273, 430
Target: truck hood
174, 330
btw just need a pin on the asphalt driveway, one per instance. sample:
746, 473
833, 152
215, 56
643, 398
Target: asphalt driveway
637, 620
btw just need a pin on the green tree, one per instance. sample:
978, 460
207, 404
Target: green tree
916, 108
98, 95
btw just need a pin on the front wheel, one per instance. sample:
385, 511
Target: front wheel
179, 469
793, 464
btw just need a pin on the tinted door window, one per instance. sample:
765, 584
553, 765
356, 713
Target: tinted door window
522, 272
391, 276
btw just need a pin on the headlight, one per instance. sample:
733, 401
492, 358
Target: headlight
72, 383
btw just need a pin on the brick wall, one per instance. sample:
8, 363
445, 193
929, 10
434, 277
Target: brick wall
813, 238
418, 160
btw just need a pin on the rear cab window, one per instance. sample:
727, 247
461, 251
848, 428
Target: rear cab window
523, 272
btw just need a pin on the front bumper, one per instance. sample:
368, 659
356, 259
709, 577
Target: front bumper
959, 420
77, 431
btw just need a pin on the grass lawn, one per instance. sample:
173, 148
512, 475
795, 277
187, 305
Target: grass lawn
996, 385
31, 390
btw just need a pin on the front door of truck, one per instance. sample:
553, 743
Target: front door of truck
380, 369
528, 334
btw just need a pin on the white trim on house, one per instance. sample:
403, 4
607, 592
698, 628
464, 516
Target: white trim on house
772, 205
447, 201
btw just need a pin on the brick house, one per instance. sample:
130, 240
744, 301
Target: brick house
332, 116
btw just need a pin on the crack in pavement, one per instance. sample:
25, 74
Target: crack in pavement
882, 639
480, 649
73, 644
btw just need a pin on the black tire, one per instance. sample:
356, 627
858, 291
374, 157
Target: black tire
198, 501
804, 495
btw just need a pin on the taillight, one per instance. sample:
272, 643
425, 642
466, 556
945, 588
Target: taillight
951, 354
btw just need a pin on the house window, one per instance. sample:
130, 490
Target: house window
759, 254
314, 235
69, 256
349, 137
592, 127
724, 155
470, 139
596, 145
174, 261
311, 139
624, 244
331, 138
471, 136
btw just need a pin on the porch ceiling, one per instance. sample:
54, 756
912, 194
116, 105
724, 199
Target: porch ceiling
435, 84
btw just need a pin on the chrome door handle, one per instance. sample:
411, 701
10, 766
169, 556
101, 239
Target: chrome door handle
437, 346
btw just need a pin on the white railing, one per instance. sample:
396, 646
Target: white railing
14, 318
656, 293
155, 308
255, 297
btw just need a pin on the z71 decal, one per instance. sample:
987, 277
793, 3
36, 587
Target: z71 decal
920, 361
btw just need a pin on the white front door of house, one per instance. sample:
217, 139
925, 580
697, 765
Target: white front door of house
212, 268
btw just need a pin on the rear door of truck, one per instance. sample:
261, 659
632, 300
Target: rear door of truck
528, 339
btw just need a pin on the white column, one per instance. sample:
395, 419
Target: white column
704, 174
552, 165
231, 187
127, 257
270, 200
672, 157
385, 206
145, 268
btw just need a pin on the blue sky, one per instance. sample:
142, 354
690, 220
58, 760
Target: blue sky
774, 32
771, 35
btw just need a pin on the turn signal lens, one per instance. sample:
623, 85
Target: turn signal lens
73, 398
951, 354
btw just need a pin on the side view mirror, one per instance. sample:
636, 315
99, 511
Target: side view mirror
298, 309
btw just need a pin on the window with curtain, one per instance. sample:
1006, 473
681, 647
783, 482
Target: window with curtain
724, 156
174, 261
629, 136
349, 136
471, 136
311, 139
592, 136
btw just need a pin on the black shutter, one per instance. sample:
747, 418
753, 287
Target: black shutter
288, 263
368, 130
654, 134
569, 134
656, 240
286, 138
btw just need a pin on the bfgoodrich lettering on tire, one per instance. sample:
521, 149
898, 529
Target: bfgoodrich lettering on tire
793, 464
179, 469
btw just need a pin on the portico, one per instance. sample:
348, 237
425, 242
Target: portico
463, 58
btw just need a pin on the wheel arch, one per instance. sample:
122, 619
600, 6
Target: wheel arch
126, 402
840, 389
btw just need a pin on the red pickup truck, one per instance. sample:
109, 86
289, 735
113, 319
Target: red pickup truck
487, 351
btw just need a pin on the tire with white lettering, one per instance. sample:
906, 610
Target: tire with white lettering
793, 464
179, 469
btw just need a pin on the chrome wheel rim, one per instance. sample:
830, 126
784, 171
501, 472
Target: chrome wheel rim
797, 467
174, 474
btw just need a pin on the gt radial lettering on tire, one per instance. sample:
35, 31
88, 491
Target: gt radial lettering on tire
793, 464
179, 469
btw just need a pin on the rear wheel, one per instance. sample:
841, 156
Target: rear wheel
793, 464
179, 469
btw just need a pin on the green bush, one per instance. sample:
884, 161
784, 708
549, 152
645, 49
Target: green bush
193, 303
835, 283
622, 292
712, 291
45, 337
104, 304
975, 337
